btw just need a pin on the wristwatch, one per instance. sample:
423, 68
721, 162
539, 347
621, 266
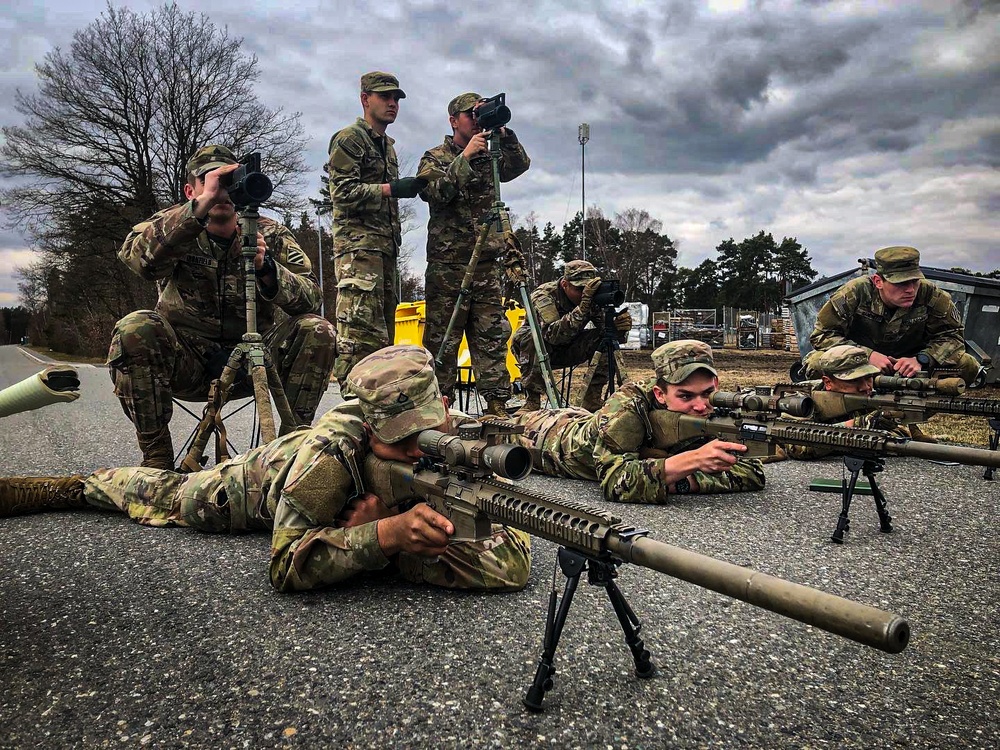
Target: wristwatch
682, 486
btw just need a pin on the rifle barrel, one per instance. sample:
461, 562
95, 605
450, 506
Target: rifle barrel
873, 627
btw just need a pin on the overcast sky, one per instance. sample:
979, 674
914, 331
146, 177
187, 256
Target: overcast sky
849, 125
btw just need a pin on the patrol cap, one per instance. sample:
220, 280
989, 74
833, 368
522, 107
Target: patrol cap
846, 362
579, 272
398, 392
463, 103
379, 81
676, 361
208, 158
898, 263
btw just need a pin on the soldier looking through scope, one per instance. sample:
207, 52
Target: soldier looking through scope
564, 308
325, 527
459, 194
613, 446
192, 251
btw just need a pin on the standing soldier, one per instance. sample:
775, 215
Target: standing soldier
192, 250
458, 201
364, 189
564, 307
902, 321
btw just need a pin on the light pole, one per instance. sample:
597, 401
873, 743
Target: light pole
319, 257
583, 135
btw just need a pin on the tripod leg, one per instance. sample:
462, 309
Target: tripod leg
843, 522
263, 398
884, 519
194, 459
631, 626
289, 421
994, 423
572, 565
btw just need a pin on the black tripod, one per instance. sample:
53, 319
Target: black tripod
608, 354
249, 355
869, 467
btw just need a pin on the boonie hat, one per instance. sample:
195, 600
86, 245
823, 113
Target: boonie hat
898, 264
579, 272
208, 158
846, 362
379, 81
676, 361
398, 392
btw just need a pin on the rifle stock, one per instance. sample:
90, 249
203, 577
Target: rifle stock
472, 502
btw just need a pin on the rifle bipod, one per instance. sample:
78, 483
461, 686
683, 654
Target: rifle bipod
869, 467
600, 572
994, 423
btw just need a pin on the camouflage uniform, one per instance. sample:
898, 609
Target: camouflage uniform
297, 485
457, 202
366, 235
564, 331
606, 446
178, 348
856, 314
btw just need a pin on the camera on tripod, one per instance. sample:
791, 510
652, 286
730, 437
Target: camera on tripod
492, 113
247, 186
609, 294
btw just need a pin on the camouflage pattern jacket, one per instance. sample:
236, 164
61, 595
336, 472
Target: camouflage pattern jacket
855, 314
623, 430
560, 320
463, 196
202, 291
361, 160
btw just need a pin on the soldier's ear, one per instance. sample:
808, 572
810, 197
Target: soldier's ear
878, 281
660, 394
188, 190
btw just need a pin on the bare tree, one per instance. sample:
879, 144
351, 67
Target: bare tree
107, 136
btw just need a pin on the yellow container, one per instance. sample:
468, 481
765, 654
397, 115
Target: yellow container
410, 317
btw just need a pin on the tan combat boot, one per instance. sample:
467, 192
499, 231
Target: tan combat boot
157, 449
22, 495
496, 407
920, 436
532, 402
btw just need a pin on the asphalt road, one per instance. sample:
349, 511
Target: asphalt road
116, 635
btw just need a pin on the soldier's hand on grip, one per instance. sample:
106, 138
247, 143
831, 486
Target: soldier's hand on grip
419, 531
587, 301
717, 456
623, 321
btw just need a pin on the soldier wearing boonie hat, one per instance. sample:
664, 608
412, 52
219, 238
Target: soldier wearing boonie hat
459, 192
904, 322
564, 308
615, 446
311, 489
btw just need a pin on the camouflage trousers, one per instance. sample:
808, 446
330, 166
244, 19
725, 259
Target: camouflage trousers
561, 441
366, 306
579, 351
150, 362
481, 318
228, 499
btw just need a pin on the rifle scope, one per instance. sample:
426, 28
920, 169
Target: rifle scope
943, 386
796, 406
506, 460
